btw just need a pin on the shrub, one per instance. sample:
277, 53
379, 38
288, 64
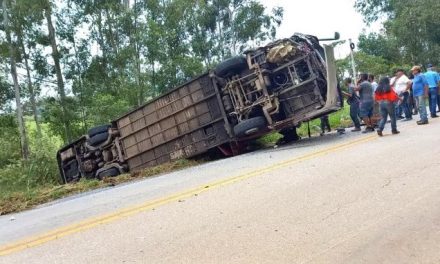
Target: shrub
17, 175
9, 140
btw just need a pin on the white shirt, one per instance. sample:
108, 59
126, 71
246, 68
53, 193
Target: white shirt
401, 84
374, 85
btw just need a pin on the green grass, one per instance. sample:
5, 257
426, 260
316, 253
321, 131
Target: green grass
269, 139
338, 119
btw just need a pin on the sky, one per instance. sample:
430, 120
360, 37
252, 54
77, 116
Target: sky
321, 18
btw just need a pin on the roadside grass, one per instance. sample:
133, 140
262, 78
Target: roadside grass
269, 139
340, 119
19, 200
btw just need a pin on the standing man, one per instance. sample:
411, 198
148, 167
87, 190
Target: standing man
420, 90
433, 80
402, 85
366, 101
412, 101
325, 124
373, 82
353, 101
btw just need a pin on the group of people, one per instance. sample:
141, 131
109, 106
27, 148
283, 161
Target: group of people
393, 97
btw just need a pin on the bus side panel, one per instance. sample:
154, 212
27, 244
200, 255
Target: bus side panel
180, 124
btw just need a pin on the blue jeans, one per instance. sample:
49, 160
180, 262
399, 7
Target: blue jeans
354, 114
387, 109
404, 106
420, 100
438, 101
366, 109
433, 100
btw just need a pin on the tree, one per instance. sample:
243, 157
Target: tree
417, 29
18, 105
379, 45
221, 29
75, 53
26, 19
56, 58
6, 93
374, 9
412, 27
372, 64
117, 54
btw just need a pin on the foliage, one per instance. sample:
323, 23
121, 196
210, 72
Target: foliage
375, 9
269, 139
6, 93
365, 63
411, 30
343, 68
40, 169
9, 140
379, 45
372, 64
55, 117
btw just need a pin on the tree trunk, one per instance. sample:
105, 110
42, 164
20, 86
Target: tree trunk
153, 78
60, 82
30, 85
101, 43
81, 87
137, 58
21, 127
138, 78
113, 37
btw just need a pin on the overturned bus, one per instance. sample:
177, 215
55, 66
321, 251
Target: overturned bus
275, 87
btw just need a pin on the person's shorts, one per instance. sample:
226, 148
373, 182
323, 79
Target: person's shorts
366, 109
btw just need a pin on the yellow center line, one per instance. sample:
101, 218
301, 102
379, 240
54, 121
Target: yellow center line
92, 222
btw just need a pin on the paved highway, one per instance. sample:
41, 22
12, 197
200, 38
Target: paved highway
350, 198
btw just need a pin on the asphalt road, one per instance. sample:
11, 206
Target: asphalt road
353, 198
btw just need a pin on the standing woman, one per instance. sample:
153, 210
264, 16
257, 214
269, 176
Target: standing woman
386, 98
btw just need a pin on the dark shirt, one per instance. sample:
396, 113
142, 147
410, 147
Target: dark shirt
354, 97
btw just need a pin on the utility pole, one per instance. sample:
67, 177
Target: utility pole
352, 46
